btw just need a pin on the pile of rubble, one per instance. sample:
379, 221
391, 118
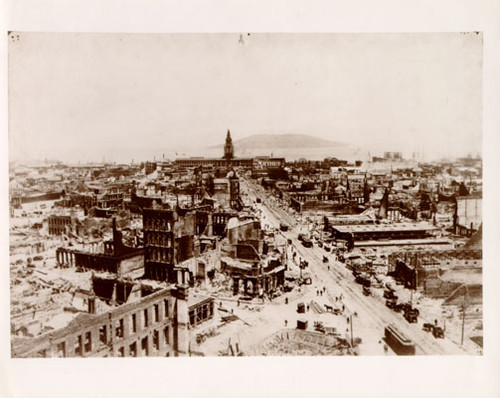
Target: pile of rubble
38, 280
299, 342
220, 284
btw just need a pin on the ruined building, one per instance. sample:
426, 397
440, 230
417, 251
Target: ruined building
116, 258
468, 215
169, 239
254, 268
227, 191
437, 273
154, 325
63, 225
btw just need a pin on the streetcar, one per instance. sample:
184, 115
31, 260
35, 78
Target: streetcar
399, 343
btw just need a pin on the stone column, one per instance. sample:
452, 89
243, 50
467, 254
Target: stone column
256, 287
113, 296
236, 285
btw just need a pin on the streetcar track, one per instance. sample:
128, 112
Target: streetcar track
424, 345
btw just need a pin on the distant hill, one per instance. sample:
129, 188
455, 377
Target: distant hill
281, 141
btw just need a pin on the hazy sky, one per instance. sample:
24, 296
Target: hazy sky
123, 96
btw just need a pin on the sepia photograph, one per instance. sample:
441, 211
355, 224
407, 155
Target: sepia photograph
245, 194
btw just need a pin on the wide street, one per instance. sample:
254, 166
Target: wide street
370, 315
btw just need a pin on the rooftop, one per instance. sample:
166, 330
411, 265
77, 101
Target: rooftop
384, 227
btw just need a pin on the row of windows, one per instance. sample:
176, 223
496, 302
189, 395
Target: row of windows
220, 219
59, 221
201, 314
146, 314
145, 347
83, 343
158, 239
157, 224
56, 231
159, 254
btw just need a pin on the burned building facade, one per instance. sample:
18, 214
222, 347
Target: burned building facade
468, 215
62, 225
169, 239
116, 258
255, 269
434, 271
155, 325
201, 309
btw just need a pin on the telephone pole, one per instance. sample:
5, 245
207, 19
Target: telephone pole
352, 338
463, 313
463, 320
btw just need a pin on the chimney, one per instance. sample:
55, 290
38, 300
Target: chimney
117, 240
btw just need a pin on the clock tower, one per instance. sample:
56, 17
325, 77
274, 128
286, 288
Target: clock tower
228, 147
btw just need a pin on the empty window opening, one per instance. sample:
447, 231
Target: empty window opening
103, 335
119, 329
144, 346
61, 349
88, 342
78, 346
134, 323
157, 313
133, 350
156, 340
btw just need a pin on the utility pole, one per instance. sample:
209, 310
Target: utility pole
463, 319
414, 287
352, 338
286, 254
